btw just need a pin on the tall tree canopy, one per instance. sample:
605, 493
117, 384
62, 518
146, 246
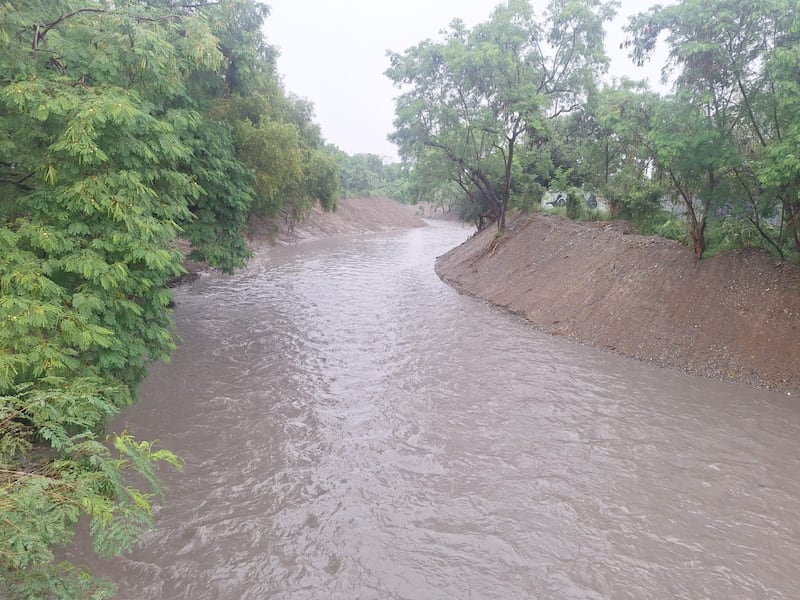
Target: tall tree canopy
474, 99
123, 125
512, 106
728, 59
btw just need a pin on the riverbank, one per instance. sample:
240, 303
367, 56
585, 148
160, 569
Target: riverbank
352, 216
734, 317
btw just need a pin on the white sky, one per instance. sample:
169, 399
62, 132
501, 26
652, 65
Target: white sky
334, 54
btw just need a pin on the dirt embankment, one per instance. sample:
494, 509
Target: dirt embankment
734, 317
352, 216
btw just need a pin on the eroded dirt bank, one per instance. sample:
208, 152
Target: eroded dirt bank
352, 216
735, 316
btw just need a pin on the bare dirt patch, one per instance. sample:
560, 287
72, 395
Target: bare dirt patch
735, 316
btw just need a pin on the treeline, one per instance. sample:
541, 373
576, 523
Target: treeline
370, 175
123, 125
514, 106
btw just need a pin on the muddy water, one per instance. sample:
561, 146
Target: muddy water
353, 428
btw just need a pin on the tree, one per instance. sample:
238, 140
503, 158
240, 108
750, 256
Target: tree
322, 178
614, 151
105, 154
218, 221
697, 158
724, 56
472, 99
366, 175
778, 168
276, 140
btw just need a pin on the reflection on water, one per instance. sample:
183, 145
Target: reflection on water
353, 428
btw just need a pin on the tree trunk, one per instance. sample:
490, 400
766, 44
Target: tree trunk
697, 228
698, 236
792, 211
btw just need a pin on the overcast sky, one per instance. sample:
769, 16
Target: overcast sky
334, 54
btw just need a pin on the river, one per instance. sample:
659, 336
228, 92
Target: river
353, 428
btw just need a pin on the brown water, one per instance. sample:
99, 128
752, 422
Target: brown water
355, 429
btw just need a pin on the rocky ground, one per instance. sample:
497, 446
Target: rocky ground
734, 317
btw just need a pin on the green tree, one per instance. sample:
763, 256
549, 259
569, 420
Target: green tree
102, 156
367, 175
724, 57
613, 154
322, 178
282, 150
472, 99
697, 158
249, 59
218, 215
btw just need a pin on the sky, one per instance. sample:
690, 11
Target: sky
333, 53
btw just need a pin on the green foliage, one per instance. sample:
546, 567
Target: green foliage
117, 136
510, 107
722, 139
272, 151
322, 178
731, 233
218, 219
574, 205
639, 200
476, 100
43, 501
670, 228
275, 139
248, 59
367, 175
58, 581
529, 201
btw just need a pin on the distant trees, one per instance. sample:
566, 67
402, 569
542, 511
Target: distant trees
123, 125
365, 175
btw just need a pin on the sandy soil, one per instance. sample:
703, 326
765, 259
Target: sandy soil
733, 317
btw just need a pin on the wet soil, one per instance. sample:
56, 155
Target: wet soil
735, 316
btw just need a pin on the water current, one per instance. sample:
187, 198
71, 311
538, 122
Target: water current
353, 428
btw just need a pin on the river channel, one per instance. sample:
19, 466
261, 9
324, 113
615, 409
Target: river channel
353, 428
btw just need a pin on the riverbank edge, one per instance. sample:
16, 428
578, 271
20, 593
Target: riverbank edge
734, 317
353, 216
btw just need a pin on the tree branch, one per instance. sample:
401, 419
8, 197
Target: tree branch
20, 183
41, 33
